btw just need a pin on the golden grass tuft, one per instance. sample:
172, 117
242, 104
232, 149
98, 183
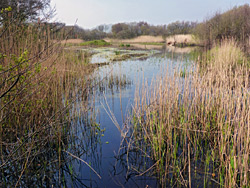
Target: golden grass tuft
227, 54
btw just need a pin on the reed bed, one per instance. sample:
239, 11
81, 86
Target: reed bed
195, 128
40, 84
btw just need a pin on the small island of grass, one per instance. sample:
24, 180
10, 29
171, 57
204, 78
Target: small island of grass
99, 43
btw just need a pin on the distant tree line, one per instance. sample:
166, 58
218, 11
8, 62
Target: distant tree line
130, 30
76, 32
123, 30
183, 27
234, 23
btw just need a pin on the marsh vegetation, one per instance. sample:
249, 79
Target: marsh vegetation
111, 113
44, 89
195, 126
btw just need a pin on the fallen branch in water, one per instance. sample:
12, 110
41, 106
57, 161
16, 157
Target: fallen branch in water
83, 162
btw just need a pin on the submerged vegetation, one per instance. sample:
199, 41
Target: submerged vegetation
196, 127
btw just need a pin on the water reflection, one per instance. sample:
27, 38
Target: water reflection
114, 88
93, 134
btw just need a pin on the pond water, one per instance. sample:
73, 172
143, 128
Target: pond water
114, 88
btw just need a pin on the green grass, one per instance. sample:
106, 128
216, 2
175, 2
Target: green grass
125, 45
95, 43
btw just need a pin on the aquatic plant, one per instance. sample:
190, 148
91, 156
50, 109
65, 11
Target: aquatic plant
195, 128
117, 52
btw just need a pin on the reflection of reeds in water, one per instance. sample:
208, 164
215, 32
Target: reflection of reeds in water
111, 83
195, 128
115, 81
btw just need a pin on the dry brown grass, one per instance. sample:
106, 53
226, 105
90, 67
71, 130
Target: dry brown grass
181, 39
171, 40
140, 39
72, 41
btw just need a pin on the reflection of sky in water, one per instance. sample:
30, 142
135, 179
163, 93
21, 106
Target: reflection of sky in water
119, 100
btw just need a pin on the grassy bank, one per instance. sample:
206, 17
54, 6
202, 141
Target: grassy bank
195, 128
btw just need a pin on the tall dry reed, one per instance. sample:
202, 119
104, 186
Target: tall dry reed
39, 83
196, 128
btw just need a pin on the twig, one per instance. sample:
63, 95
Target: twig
25, 166
217, 182
83, 162
149, 168
10, 87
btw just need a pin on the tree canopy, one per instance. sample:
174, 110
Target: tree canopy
29, 9
234, 23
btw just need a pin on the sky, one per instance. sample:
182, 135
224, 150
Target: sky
91, 13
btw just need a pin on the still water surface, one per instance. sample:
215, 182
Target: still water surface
113, 96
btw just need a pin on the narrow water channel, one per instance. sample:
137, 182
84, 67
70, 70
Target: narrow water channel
113, 97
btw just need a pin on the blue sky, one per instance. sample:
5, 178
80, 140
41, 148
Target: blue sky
91, 13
